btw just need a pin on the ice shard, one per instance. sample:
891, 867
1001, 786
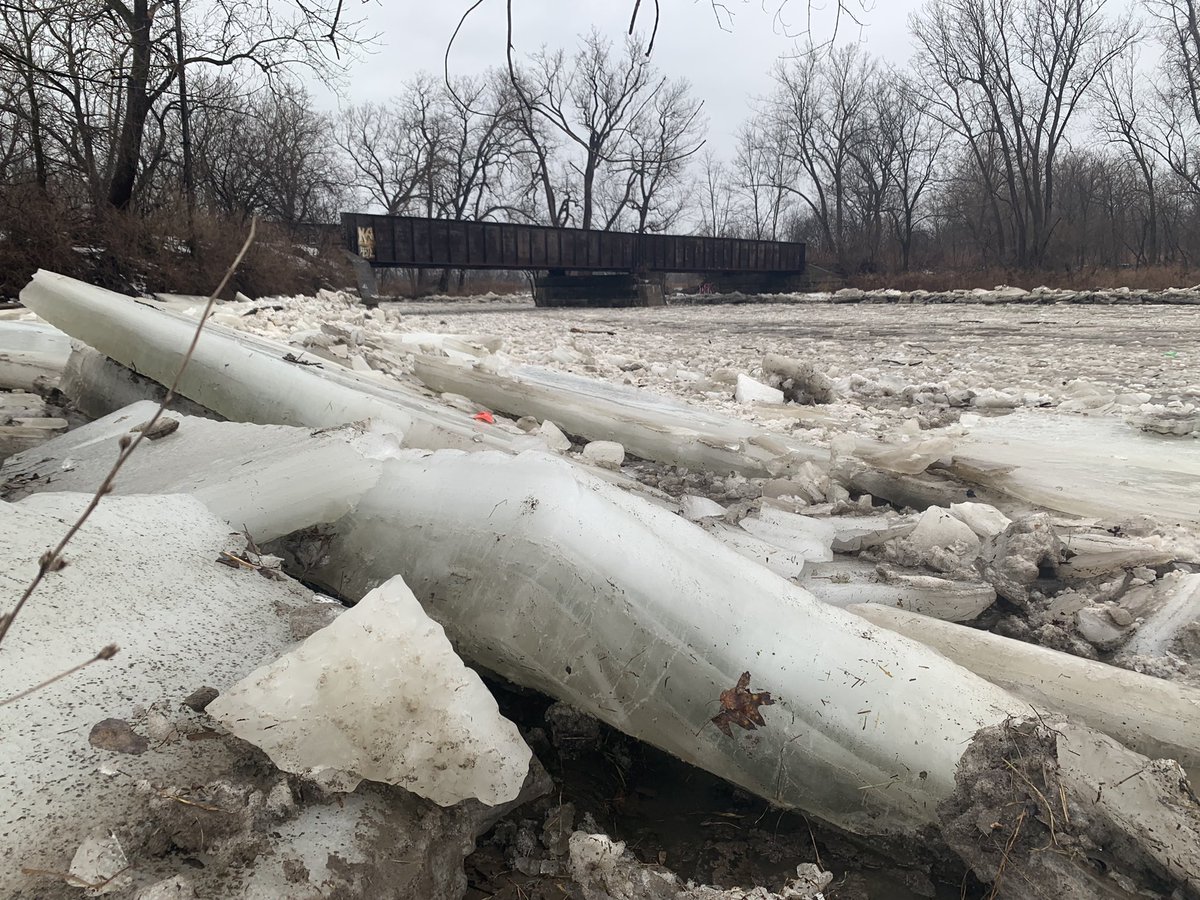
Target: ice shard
379, 694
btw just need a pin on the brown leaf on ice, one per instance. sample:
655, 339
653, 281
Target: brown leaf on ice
740, 706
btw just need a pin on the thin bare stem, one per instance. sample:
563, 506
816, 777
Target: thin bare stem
106, 653
51, 560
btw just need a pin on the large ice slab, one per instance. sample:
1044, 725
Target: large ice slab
1150, 715
248, 378
269, 479
30, 351
1084, 466
555, 580
379, 694
646, 424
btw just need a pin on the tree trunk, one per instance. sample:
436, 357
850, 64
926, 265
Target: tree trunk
137, 108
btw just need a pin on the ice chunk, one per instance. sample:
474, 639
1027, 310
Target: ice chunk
379, 694
937, 529
606, 454
647, 425
750, 391
983, 519
696, 508
101, 866
30, 352
798, 379
846, 581
1150, 715
853, 533
1172, 605
811, 538
555, 439
1094, 554
642, 621
787, 564
907, 456
97, 386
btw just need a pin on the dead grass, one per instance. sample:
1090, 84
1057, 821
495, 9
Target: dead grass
155, 252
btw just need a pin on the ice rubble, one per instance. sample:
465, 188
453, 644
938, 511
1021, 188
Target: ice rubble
470, 530
144, 573
379, 694
652, 631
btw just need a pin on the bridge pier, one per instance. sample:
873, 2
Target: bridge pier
556, 288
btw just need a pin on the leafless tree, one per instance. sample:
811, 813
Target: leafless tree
1017, 71
823, 109
914, 141
597, 105
391, 156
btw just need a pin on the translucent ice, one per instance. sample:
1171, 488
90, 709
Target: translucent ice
646, 424
379, 694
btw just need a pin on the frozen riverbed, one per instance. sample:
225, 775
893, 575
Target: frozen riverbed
1081, 359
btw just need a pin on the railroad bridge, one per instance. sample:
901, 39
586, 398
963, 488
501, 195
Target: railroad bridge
573, 267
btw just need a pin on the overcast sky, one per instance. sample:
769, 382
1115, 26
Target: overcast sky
727, 68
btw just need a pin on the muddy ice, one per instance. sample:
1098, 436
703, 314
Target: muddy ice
791, 601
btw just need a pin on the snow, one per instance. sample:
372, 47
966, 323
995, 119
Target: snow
142, 574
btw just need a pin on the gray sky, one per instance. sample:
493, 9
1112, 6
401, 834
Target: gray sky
726, 67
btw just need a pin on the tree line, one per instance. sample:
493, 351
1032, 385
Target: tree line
1022, 133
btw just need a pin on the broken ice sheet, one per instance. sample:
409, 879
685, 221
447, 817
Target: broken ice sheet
1089, 467
246, 474
642, 621
646, 424
30, 351
248, 378
379, 694
141, 574
1151, 715
809, 537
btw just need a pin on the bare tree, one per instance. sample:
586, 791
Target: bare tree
823, 110
1127, 120
716, 198
1017, 70
662, 141
593, 102
915, 140
391, 157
